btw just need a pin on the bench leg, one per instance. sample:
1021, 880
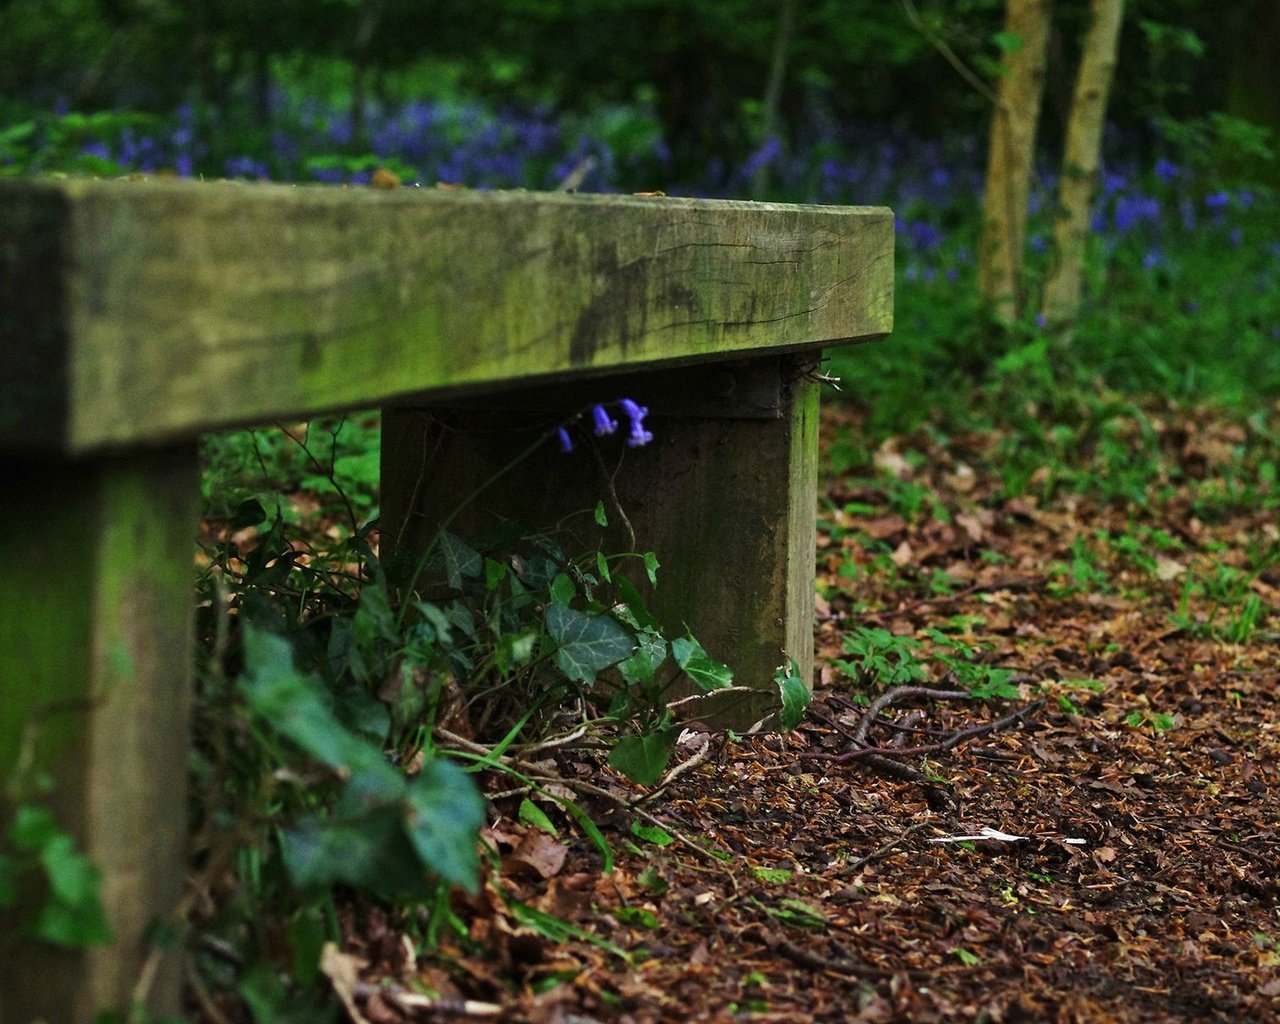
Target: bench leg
96, 662
725, 496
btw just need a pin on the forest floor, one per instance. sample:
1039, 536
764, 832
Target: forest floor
1134, 874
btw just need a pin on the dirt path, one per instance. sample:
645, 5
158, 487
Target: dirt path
1142, 783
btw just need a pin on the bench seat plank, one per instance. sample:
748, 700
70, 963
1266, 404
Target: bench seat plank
155, 309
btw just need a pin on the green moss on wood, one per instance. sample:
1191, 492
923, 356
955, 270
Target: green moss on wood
187, 306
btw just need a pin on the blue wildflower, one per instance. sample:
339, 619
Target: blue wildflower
566, 442
924, 236
1165, 170
762, 157
636, 413
1217, 200
1152, 259
1132, 210
604, 423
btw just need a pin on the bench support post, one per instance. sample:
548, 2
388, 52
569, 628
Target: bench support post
96, 645
724, 496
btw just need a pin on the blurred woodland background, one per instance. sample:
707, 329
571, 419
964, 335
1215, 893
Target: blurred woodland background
829, 101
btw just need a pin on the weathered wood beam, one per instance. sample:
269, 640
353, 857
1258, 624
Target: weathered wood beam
142, 311
724, 496
96, 661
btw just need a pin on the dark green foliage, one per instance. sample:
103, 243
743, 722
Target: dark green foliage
325, 685
37, 851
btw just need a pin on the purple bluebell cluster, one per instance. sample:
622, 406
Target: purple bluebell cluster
1148, 220
602, 425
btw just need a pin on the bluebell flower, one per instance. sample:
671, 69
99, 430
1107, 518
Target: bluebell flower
1113, 182
566, 442
1152, 259
1217, 201
1038, 243
1237, 236
636, 413
604, 423
767, 154
1132, 210
1165, 170
924, 235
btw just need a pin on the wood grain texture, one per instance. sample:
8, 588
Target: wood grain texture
728, 505
139, 311
96, 662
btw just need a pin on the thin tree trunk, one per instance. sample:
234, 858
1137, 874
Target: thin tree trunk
1061, 303
367, 20
773, 89
1009, 158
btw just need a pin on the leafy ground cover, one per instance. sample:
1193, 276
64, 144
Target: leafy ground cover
1096, 839
1096, 575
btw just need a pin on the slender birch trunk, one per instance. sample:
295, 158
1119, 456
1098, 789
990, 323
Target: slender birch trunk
773, 89
1009, 158
1061, 300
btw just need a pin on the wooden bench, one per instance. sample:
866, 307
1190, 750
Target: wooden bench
136, 316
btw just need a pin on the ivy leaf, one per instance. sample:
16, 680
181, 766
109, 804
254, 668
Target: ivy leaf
563, 589
446, 813
644, 758
370, 852
795, 695
292, 704
460, 559
587, 644
699, 666
33, 828
72, 916
641, 666
636, 608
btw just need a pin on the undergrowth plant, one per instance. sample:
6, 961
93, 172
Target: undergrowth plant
880, 659
348, 712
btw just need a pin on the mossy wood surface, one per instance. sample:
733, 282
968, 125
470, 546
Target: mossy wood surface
726, 503
141, 310
96, 655
136, 315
